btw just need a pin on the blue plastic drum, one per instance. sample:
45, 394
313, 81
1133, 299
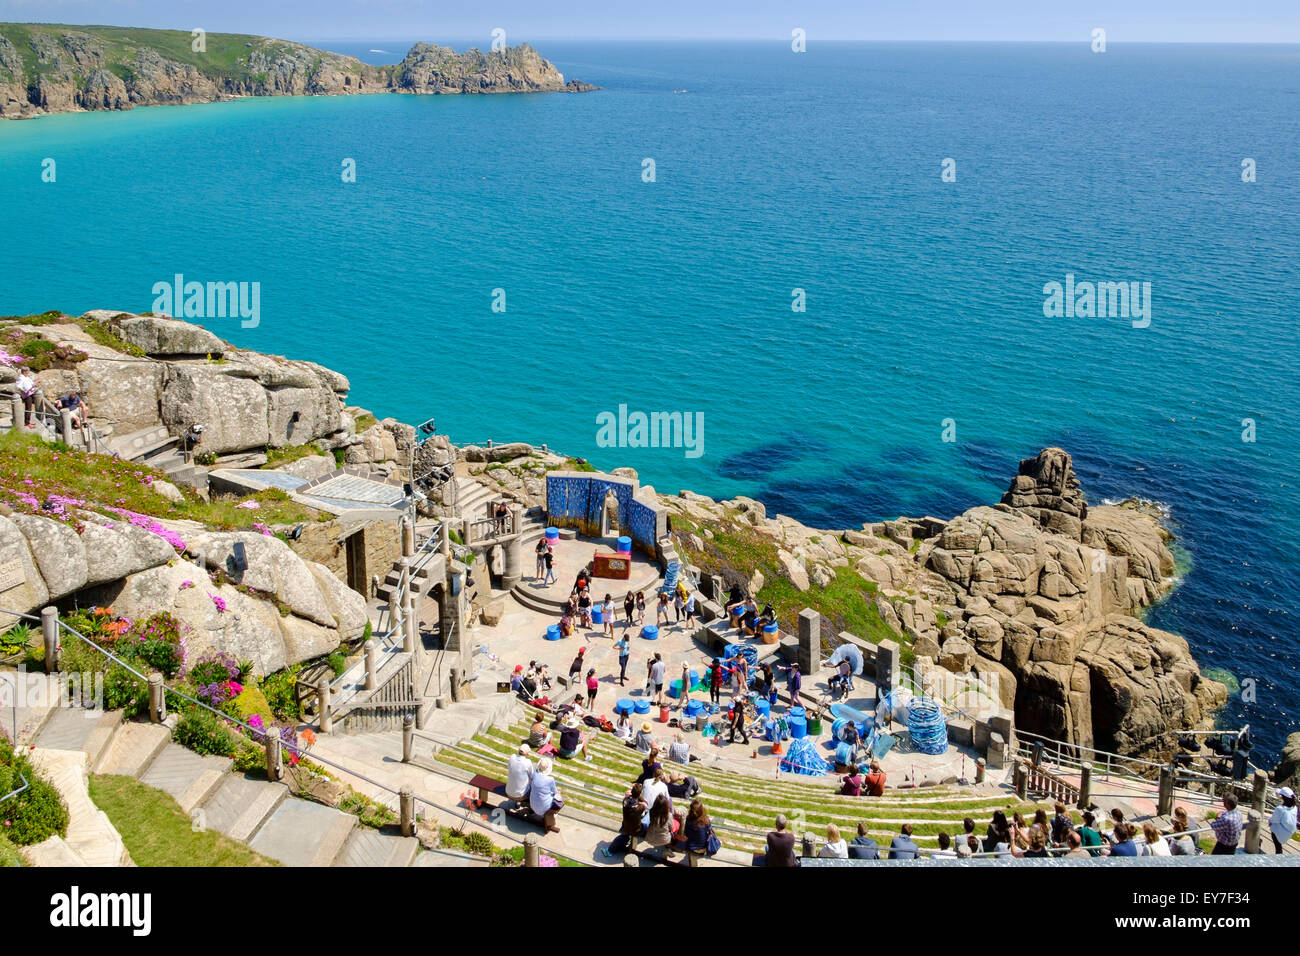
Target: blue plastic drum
798, 712
642, 706
624, 544
553, 632
762, 707
770, 632
552, 535
798, 727
650, 632
596, 616
624, 705
694, 708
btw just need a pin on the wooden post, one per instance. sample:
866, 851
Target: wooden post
1020, 777
323, 718
1260, 792
530, 849
274, 766
1085, 786
18, 412
981, 770
444, 537
372, 673
65, 425
1165, 795
453, 682
408, 538
411, 634
157, 698
1252, 832
50, 633
406, 799
408, 738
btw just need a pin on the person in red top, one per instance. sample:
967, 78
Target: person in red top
852, 783
715, 681
875, 781
592, 686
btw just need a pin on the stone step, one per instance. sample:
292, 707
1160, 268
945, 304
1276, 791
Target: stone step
369, 847
240, 804
53, 852
91, 836
187, 776
133, 748
140, 444
302, 833
449, 858
76, 728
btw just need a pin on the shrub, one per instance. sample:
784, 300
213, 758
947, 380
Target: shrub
251, 701
249, 758
338, 663
281, 690
38, 812
204, 733
9, 855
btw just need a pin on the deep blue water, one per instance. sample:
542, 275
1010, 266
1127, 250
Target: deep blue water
775, 171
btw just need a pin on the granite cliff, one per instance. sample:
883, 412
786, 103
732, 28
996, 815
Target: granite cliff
59, 69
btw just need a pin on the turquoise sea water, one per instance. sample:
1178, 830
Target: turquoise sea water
774, 171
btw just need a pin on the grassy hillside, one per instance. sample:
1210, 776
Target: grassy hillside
226, 56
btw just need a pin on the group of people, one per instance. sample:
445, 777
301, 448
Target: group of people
29, 390
663, 808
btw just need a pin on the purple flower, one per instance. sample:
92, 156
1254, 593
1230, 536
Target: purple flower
220, 602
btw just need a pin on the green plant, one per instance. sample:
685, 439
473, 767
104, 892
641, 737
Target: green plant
251, 701
338, 663
38, 812
249, 758
9, 854
281, 690
15, 639
204, 733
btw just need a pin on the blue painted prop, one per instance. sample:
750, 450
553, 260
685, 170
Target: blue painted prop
927, 727
803, 758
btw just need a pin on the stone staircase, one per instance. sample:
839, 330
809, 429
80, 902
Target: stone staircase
158, 448
71, 743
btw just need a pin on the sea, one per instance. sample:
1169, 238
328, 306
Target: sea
835, 264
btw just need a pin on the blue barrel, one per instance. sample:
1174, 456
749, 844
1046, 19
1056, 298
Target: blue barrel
650, 632
837, 728
798, 712
553, 632
552, 535
624, 544
770, 633
642, 706
798, 727
694, 708
674, 689
843, 754
625, 705
762, 707
596, 615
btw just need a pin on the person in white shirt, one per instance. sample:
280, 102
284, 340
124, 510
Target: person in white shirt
519, 773
945, 846
27, 389
658, 671
652, 788
623, 729
1282, 824
835, 847
1156, 844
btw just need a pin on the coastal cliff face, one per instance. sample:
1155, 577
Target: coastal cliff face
59, 69
1039, 596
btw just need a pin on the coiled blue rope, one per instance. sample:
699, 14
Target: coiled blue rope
927, 727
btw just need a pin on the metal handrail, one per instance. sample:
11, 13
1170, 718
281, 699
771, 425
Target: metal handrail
303, 753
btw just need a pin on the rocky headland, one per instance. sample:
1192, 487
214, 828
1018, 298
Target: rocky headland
60, 69
1040, 596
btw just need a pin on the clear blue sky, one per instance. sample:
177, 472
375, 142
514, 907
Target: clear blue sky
1234, 21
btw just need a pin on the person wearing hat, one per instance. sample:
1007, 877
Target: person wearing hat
572, 739
644, 740
519, 773
575, 668
544, 795
1282, 824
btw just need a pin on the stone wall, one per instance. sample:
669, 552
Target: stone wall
323, 543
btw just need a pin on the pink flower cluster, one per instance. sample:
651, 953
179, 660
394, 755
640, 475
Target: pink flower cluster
149, 524
220, 602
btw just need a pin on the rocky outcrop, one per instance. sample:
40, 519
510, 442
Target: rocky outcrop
58, 69
1039, 596
1287, 771
245, 400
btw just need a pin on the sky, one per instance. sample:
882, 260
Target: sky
1194, 21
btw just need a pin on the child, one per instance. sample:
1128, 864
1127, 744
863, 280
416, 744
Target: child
607, 615
592, 686
640, 608
661, 612
566, 625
